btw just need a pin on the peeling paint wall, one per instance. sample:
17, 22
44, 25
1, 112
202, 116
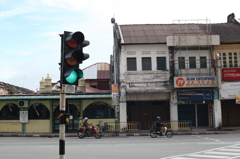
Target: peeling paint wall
151, 80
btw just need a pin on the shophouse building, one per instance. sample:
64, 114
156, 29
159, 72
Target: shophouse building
171, 70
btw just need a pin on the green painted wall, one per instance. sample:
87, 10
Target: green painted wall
46, 125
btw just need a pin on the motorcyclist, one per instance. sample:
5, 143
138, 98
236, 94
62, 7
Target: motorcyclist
159, 125
85, 124
80, 122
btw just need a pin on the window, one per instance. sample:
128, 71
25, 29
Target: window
181, 62
10, 112
99, 110
72, 109
146, 63
203, 62
38, 111
161, 63
230, 59
131, 64
192, 62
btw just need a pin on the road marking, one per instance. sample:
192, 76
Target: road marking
210, 156
230, 152
235, 150
222, 153
183, 158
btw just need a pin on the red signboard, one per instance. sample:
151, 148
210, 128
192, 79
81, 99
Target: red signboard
231, 74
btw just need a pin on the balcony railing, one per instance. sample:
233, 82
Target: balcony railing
193, 68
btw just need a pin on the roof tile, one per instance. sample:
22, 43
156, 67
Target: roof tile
156, 33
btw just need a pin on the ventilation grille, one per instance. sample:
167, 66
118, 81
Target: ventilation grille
146, 52
131, 52
161, 52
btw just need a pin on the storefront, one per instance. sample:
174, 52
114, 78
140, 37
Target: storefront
42, 111
230, 88
195, 99
196, 106
146, 112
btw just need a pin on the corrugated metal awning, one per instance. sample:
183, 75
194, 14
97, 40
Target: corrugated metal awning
57, 96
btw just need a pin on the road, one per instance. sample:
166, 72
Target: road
134, 147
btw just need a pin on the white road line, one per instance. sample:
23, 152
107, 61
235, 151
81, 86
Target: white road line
236, 147
234, 150
216, 153
222, 153
183, 158
210, 156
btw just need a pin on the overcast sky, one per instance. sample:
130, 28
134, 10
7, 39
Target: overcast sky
29, 29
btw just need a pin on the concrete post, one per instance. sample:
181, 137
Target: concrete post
173, 110
217, 114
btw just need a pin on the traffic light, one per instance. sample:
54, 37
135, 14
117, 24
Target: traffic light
66, 118
71, 56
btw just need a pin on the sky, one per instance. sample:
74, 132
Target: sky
29, 30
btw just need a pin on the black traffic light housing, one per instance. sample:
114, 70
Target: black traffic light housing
66, 118
72, 55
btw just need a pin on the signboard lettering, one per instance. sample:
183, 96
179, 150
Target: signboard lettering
183, 82
231, 74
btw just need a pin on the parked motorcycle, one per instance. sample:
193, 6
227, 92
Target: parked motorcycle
92, 132
167, 132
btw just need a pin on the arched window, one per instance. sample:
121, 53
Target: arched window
99, 110
38, 111
10, 112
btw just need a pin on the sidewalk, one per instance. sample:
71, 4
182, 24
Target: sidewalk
195, 131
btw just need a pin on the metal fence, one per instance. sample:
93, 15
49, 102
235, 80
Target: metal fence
179, 125
122, 127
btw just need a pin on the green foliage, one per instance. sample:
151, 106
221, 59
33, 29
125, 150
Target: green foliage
13, 91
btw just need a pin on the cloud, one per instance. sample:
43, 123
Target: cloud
11, 13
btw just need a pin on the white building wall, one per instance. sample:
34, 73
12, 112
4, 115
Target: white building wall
141, 79
139, 51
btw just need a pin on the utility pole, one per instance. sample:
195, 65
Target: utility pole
62, 128
115, 94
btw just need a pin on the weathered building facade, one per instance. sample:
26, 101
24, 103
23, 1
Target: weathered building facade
172, 70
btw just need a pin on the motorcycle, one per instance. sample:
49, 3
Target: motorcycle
154, 133
93, 132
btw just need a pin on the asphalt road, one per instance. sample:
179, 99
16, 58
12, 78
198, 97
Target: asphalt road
132, 147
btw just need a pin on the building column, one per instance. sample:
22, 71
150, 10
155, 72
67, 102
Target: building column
217, 114
123, 106
174, 110
123, 112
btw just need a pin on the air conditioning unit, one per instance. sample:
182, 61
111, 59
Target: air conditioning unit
23, 103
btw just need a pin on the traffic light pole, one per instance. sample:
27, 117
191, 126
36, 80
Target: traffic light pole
62, 108
72, 55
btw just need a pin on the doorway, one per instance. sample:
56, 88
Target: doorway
73, 124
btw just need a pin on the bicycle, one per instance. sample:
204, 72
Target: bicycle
101, 128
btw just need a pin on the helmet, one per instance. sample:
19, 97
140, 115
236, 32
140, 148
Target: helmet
158, 117
79, 118
85, 118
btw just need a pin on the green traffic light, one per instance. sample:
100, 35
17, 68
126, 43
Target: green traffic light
73, 77
80, 73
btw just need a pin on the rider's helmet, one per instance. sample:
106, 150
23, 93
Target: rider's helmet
79, 118
158, 117
86, 118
